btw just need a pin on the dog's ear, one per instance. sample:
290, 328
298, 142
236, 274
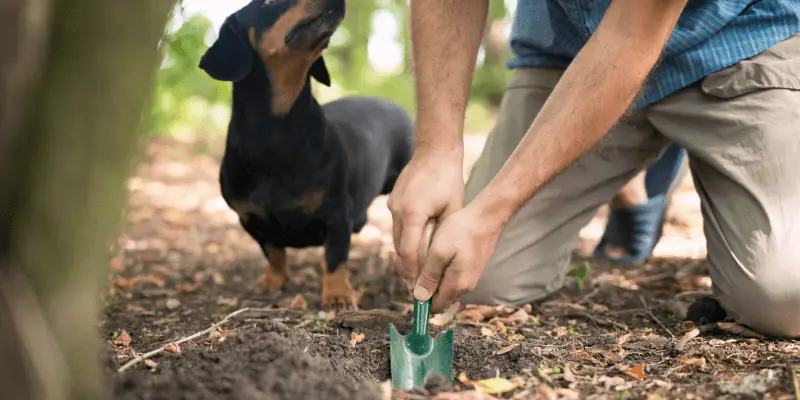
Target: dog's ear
320, 72
230, 58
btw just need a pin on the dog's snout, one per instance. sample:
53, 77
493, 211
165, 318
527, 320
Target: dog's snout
335, 6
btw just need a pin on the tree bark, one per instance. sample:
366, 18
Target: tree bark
75, 78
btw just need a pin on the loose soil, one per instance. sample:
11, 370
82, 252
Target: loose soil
183, 264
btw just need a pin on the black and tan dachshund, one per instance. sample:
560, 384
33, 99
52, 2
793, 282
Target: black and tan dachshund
300, 174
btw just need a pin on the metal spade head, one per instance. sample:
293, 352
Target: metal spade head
417, 354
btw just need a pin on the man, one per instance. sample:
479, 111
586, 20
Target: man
600, 89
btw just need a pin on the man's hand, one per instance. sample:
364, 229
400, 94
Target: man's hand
460, 248
445, 36
430, 187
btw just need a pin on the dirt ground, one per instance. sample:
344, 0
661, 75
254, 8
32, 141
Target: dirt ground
183, 264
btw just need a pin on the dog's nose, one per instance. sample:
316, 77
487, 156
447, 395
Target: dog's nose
337, 6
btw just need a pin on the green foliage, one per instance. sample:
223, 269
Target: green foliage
187, 101
579, 274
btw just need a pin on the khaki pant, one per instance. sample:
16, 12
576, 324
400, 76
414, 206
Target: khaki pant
741, 128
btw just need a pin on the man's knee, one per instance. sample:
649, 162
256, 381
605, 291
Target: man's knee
769, 302
517, 278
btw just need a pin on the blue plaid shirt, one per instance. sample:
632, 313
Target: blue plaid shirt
710, 35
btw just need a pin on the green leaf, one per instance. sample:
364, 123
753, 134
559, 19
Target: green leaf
579, 274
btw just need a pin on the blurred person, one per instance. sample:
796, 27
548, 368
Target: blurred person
600, 89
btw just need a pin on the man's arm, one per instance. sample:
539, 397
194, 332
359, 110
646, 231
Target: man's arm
591, 96
446, 35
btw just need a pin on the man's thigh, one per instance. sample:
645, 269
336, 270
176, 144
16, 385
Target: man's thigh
536, 245
741, 127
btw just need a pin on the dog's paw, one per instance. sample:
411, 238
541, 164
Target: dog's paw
271, 281
336, 290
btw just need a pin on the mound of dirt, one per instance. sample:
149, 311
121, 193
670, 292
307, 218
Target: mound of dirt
265, 361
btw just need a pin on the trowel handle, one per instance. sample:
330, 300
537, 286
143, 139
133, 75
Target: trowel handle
422, 313
422, 310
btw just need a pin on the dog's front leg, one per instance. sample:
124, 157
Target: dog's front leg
336, 289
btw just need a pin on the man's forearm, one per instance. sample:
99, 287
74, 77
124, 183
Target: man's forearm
445, 36
591, 96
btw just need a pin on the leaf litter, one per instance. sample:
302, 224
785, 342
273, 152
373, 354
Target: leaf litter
585, 338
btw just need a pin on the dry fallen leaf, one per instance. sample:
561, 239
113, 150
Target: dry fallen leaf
124, 339
637, 371
138, 310
615, 278
504, 310
681, 343
445, 317
560, 331
563, 304
491, 386
219, 335
494, 385
736, 329
191, 287
599, 308
506, 349
697, 362
470, 315
386, 390
718, 342
519, 317
228, 301
568, 375
515, 338
122, 282
528, 308
151, 364
117, 263
218, 278
298, 303
609, 382
486, 332
465, 395
544, 392
624, 338
173, 304
172, 347
567, 394
655, 340
356, 338
462, 377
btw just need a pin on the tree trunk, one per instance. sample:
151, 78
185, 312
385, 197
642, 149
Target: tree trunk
75, 78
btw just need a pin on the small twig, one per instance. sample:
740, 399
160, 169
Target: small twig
698, 293
188, 338
477, 324
795, 380
626, 311
303, 324
589, 296
673, 369
693, 334
653, 316
596, 320
652, 278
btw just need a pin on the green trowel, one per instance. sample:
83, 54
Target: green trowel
417, 354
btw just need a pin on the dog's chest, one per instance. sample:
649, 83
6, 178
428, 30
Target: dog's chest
291, 209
